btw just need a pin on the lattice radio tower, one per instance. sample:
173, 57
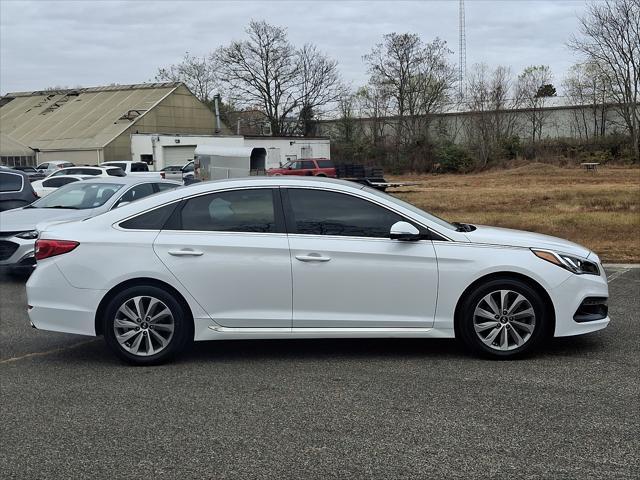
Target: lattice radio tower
462, 66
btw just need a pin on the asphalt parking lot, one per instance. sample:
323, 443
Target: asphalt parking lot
321, 408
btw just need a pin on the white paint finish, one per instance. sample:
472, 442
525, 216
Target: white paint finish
362, 282
277, 148
241, 280
246, 281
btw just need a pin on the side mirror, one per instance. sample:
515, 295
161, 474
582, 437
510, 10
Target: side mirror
404, 231
123, 203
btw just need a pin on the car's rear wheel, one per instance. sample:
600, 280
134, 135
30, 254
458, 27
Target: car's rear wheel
145, 325
503, 319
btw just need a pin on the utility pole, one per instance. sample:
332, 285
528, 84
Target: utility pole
462, 65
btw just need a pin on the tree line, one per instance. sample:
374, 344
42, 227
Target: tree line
391, 118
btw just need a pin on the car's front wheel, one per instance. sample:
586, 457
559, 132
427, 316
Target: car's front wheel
145, 325
503, 319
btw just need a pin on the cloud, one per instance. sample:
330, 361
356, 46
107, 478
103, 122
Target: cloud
89, 43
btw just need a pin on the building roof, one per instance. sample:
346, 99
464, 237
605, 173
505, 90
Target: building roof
12, 148
83, 118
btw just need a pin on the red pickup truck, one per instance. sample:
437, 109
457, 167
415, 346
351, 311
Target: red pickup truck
316, 167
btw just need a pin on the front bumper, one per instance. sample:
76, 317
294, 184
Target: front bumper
569, 297
17, 252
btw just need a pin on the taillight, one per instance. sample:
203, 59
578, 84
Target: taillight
51, 248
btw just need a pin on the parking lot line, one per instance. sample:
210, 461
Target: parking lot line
47, 352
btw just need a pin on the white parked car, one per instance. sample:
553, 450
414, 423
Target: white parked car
178, 172
52, 166
278, 257
76, 201
46, 186
90, 171
138, 169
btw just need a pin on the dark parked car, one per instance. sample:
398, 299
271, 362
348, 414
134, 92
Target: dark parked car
32, 172
15, 189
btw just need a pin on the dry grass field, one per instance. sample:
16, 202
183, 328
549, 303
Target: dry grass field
600, 211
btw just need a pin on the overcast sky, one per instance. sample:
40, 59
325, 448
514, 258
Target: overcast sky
88, 43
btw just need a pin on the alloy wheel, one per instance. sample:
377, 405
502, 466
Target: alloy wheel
143, 326
504, 320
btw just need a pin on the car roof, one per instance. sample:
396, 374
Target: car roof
15, 172
75, 175
130, 180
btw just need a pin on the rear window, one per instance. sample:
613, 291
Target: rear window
139, 167
116, 172
121, 165
325, 163
153, 220
58, 182
10, 182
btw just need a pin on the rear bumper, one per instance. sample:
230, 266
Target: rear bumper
56, 305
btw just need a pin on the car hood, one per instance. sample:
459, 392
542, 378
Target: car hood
24, 219
520, 238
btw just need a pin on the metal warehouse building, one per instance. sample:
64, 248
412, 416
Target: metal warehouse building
92, 125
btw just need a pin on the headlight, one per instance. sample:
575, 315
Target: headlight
572, 263
30, 235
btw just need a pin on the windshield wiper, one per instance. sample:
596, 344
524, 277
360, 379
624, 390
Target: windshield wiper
463, 227
63, 206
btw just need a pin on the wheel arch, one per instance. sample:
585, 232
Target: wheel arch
134, 282
550, 307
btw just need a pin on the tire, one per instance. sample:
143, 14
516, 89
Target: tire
169, 334
486, 330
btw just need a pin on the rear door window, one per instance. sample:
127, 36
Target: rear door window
325, 163
308, 164
250, 210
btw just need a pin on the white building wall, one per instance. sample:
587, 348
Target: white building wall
157, 145
279, 150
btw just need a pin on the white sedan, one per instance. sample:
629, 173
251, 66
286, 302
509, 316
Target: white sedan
285, 257
46, 186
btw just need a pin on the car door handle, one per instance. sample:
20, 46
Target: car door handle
312, 257
186, 252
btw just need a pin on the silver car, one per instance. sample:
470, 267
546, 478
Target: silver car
75, 201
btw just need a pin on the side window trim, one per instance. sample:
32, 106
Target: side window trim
292, 227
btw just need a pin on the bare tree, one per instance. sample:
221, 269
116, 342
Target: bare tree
588, 92
320, 85
533, 90
291, 86
610, 39
417, 78
491, 104
262, 70
197, 73
374, 105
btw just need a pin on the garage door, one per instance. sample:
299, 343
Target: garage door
178, 155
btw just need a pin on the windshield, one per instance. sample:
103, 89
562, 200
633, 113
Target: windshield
411, 207
79, 196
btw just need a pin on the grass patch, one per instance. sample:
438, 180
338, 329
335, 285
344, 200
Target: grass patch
600, 211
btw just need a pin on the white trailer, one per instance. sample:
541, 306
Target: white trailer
216, 163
